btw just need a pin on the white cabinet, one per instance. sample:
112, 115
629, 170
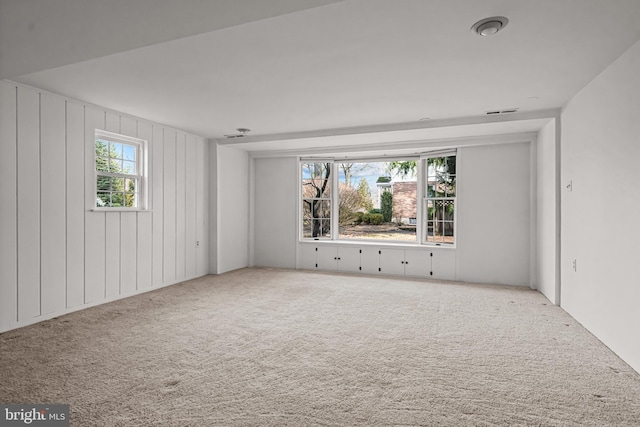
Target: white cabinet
443, 264
327, 257
371, 259
405, 262
307, 260
348, 259
391, 261
417, 263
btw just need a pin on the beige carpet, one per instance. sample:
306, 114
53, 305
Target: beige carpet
274, 347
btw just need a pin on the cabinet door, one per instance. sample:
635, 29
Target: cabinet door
327, 257
417, 263
348, 259
443, 265
307, 259
370, 260
392, 261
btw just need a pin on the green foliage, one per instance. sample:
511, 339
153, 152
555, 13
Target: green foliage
404, 169
372, 218
358, 218
386, 205
375, 211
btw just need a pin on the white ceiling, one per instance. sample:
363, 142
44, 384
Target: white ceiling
347, 64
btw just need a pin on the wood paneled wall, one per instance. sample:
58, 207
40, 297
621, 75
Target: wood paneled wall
56, 255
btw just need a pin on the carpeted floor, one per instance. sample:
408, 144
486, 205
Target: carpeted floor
261, 347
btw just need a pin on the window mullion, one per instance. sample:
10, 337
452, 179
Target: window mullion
335, 202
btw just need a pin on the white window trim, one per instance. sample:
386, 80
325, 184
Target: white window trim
423, 196
334, 213
421, 216
142, 164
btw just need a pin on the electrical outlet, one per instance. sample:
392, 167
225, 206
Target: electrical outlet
197, 243
574, 264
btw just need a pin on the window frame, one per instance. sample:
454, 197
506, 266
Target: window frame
425, 198
141, 161
421, 197
332, 206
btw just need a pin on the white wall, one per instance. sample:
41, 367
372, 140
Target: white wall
232, 180
547, 229
57, 256
494, 214
600, 216
275, 212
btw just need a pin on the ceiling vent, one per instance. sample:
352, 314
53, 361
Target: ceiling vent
242, 132
489, 26
507, 111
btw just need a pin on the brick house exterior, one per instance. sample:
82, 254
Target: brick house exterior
404, 201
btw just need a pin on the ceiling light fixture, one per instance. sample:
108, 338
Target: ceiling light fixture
489, 26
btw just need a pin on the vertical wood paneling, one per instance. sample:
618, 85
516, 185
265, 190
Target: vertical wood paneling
145, 221
112, 122
8, 207
129, 252
53, 209
112, 254
95, 264
128, 126
28, 204
75, 203
169, 258
128, 228
202, 203
56, 253
112, 230
181, 195
156, 151
190, 220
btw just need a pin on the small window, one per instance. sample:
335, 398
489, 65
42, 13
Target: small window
120, 179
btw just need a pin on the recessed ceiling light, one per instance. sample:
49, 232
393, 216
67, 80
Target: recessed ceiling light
424, 119
489, 26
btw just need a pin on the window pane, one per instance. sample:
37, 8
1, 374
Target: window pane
307, 226
448, 210
129, 152
115, 150
115, 166
117, 199
130, 184
103, 199
103, 183
377, 200
316, 180
128, 167
102, 164
306, 209
130, 200
117, 184
429, 231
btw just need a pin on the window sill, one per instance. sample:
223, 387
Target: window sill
119, 210
376, 243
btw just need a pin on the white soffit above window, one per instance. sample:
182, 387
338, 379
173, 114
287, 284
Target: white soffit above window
383, 140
